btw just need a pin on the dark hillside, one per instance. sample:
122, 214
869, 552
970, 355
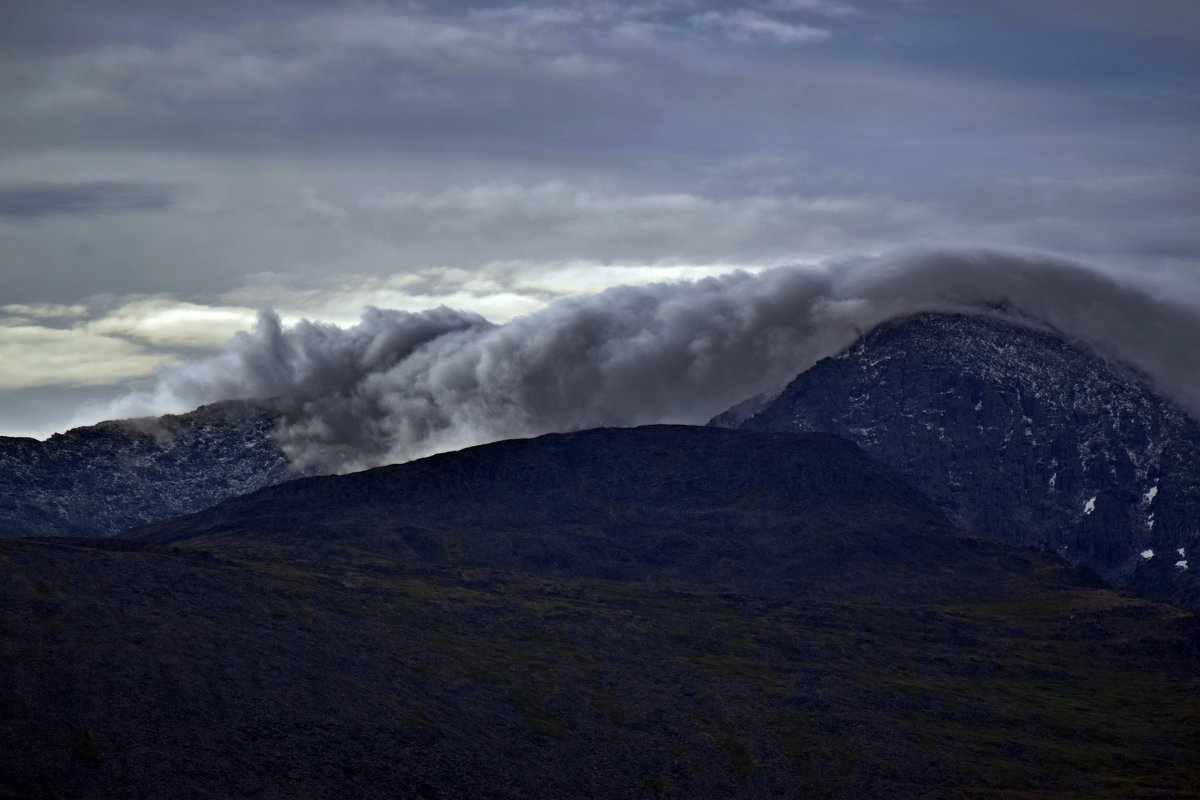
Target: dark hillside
660, 612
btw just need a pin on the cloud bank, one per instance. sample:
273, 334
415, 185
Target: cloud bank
402, 385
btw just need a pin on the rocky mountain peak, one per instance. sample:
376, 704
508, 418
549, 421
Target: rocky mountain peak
101, 479
1019, 435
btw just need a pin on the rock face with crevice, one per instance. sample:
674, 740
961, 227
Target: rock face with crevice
1022, 436
101, 479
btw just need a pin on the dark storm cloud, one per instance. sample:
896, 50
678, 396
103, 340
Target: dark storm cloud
399, 386
349, 72
902, 94
33, 200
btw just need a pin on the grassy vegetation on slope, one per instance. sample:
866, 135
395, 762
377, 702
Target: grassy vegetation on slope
248, 663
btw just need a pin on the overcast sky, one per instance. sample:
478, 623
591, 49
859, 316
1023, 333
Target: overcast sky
167, 169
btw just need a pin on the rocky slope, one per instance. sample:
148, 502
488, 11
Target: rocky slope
101, 479
1021, 436
657, 613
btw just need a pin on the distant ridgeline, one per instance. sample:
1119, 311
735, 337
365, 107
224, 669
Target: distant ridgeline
100, 480
1019, 435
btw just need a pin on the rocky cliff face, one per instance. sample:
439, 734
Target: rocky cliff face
99, 480
1021, 436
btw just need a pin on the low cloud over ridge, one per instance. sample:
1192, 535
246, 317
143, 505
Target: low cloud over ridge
402, 385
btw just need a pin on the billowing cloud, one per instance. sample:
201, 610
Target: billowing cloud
499, 291
401, 385
151, 332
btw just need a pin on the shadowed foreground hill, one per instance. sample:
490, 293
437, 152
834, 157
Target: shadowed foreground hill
656, 612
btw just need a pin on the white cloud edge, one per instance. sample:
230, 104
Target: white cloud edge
136, 336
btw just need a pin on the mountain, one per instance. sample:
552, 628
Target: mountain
1021, 436
662, 612
613, 504
102, 479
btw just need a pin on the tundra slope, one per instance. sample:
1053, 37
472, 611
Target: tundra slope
1018, 435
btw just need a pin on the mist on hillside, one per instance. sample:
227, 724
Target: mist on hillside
401, 385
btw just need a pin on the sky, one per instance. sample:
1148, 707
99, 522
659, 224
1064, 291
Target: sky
169, 170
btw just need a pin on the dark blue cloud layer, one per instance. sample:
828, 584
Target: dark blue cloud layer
34, 200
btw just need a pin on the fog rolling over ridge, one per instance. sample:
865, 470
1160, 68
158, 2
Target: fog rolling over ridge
400, 385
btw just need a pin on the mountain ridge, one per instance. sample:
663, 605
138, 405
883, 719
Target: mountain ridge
101, 479
583, 496
1020, 435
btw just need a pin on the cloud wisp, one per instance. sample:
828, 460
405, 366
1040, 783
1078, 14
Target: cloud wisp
748, 27
402, 385
34, 200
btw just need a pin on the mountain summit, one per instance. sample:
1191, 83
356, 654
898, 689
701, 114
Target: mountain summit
1021, 436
